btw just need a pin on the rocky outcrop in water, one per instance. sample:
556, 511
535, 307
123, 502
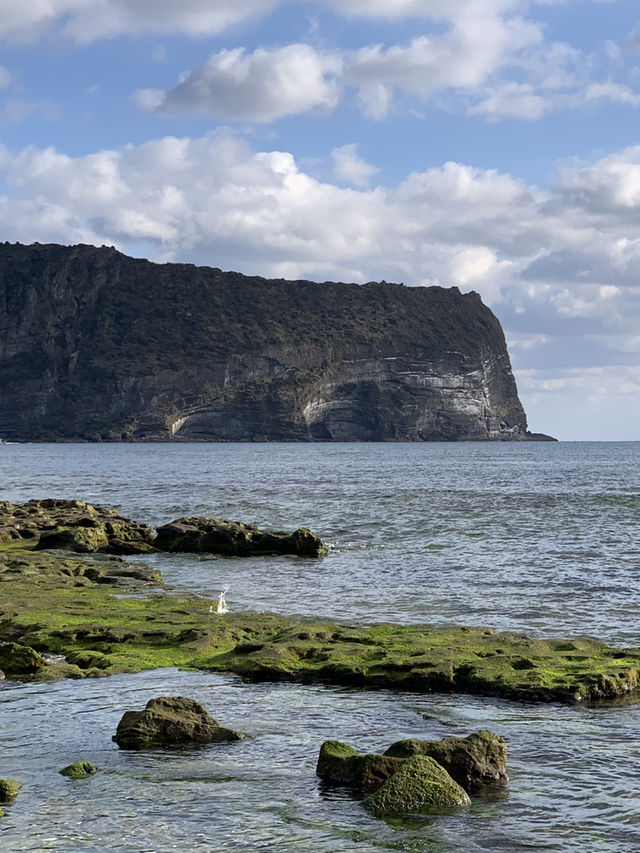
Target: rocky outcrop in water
95, 345
234, 539
474, 762
170, 721
73, 525
79, 770
418, 786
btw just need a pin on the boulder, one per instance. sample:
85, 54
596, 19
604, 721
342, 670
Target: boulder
16, 659
474, 761
233, 538
341, 764
79, 770
170, 721
419, 785
9, 790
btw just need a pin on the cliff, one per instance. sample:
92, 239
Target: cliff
99, 346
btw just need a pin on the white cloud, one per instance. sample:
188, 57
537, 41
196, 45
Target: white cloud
349, 167
5, 77
216, 200
88, 20
514, 100
259, 86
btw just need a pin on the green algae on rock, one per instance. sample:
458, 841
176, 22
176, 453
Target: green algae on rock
79, 770
474, 762
9, 790
17, 659
72, 525
170, 721
340, 764
418, 786
50, 603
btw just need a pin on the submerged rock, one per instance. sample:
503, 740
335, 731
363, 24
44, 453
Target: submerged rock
9, 790
170, 721
475, 761
79, 770
16, 659
419, 785
233, 538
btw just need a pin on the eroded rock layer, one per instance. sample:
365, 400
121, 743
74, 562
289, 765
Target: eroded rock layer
95, 345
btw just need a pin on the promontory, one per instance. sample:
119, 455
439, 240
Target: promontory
95, 345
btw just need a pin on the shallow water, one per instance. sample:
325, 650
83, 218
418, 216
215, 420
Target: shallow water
536, 537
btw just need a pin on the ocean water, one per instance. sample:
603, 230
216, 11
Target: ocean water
541, 538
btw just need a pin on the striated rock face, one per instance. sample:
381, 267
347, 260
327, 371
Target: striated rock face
98, 346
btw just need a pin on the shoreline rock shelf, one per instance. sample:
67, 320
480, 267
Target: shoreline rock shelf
59, 618
73, 525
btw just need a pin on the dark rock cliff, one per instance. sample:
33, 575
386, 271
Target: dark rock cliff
96, 345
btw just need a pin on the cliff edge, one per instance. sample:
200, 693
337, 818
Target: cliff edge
95, 345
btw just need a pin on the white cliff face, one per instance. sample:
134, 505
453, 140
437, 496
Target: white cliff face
393, 398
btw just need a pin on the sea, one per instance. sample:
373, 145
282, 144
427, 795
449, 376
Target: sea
540, 538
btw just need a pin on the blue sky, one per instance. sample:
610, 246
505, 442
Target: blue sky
488, 144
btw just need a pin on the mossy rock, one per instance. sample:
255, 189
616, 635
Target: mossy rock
234, 539
17, 659
418, 786
79, 770
341, 764
474, 762
9, 790
88, 659
83, 540
170, 721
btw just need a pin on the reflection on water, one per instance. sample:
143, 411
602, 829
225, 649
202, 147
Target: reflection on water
541, 538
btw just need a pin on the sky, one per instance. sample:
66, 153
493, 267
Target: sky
493, 145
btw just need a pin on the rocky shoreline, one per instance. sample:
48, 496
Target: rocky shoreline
60, 616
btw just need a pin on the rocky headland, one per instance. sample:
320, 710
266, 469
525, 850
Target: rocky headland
97, 346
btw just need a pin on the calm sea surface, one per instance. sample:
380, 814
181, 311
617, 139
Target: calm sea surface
542, 538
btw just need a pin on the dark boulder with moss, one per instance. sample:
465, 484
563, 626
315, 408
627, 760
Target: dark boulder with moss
474, 761
73, 525
19, 660
234, 539
340, 764
170, 721
9, 790
79, 770
419, 786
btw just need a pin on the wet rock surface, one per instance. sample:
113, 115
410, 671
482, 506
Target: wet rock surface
233, 538
170, 721
9, 790
79, 770
418, 786
72, 525
474, 762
